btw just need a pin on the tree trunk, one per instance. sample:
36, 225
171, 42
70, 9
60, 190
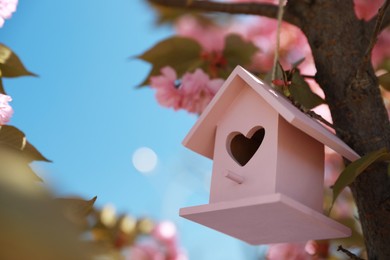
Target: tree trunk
338, 41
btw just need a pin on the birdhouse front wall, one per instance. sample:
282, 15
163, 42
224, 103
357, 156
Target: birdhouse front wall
239, 172
300, 166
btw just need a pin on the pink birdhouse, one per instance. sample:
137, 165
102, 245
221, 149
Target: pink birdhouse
268, 166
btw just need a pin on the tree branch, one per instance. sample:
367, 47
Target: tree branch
377, 29
348, 253
253, 8
385, 20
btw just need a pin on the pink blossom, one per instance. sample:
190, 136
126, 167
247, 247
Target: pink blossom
167, 93
311, 247
7, 7
318, 249
262, 32
192, 93
161, 245
381, 50
291, 251
333, 167
165, 232
6, 110
366, 9
195, 90
198, 90
146, 252
210, 37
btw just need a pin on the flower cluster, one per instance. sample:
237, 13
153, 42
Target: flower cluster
134, 238
7, 7
192, 92
210, 36
289, 251
195, 90
162, 245
6, 110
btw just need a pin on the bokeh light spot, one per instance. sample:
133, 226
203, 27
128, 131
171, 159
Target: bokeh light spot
167, 230
144, 159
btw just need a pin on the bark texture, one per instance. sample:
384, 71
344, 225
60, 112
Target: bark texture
339, 42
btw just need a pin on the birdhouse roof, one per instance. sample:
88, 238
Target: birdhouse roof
201, 138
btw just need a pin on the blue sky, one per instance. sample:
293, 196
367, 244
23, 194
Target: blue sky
84, 113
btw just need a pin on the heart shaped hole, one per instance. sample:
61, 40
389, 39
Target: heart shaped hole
242, 148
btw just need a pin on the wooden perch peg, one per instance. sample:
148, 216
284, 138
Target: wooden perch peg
234, 177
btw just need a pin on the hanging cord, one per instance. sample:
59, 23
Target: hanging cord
278, 30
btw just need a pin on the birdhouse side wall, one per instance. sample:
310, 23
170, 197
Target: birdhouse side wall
247, 114
300, 166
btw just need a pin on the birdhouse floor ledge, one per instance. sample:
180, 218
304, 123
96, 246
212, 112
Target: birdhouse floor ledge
274, 218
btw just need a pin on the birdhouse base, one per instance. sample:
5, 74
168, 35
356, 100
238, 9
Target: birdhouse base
274, 218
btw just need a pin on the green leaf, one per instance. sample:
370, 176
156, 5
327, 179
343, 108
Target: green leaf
302, 93
280, 73
10, 64
237, 51
385, 65
33, 227
13, 165
14, 140
33, 154
12, 137
180, 53
384, 81
354, 169
76, 208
